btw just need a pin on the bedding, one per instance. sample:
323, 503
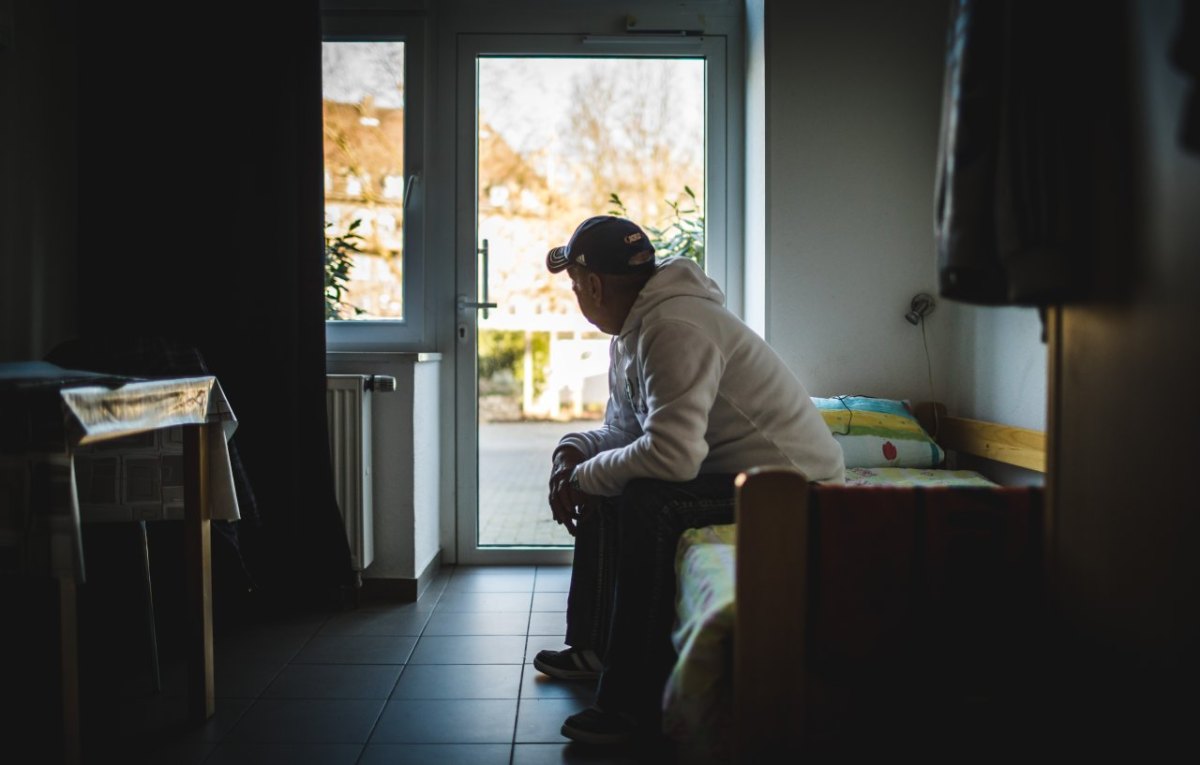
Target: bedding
895, 476
878, 432
697, 699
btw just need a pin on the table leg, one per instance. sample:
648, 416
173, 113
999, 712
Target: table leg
198, 542
148, 594
69, 653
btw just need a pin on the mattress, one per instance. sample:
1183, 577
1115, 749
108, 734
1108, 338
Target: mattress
697, 699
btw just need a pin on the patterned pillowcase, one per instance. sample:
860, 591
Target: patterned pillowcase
878, 432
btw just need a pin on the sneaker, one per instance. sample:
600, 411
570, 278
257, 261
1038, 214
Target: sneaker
569, 664
595, 726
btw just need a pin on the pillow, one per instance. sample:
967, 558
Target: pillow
878, 432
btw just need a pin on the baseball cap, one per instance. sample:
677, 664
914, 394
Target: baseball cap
605, 244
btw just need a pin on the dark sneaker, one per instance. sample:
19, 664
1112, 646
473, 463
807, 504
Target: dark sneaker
595, 726
569, 664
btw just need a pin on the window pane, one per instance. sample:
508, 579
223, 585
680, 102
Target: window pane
363, 100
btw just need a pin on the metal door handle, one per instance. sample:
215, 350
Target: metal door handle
408, 187
464, 304
483, 305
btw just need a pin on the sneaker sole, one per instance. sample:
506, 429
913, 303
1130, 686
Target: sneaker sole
564, 674
595, 739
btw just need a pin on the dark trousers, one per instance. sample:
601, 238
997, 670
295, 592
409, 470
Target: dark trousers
622, 598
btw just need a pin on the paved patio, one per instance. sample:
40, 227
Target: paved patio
514, 472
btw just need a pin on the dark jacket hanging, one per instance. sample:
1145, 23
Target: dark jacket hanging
1031, 107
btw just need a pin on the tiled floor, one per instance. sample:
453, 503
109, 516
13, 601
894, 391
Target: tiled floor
514, 468
446, 679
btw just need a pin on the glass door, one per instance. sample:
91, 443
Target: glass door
552, 130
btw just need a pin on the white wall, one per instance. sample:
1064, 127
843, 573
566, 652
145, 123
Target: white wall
407, 460
430, 473
853, 99
998, 370
853, 106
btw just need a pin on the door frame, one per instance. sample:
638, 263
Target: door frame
722, 219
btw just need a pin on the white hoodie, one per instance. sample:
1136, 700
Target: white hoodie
693, 390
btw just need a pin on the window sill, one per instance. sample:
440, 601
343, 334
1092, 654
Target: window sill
359, 357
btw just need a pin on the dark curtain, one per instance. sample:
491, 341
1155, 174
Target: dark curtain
201, 221
1032, 181
1185, 57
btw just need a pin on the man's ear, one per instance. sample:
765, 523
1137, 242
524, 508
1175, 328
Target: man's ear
595, 287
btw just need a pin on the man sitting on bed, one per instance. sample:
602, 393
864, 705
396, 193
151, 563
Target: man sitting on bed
695, 396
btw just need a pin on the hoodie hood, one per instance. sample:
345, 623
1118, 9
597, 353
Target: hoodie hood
674, 277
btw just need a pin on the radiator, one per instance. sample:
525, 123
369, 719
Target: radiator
348, 407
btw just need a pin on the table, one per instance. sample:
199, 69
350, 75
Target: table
46, 414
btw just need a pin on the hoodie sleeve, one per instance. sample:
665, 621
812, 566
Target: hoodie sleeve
620, 425
682, 370
608, 436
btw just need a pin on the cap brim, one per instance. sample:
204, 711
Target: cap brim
557, 260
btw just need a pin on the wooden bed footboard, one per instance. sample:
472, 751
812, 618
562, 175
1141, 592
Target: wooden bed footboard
769, 627
883, 618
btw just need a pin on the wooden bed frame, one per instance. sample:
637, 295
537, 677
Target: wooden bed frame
775, 698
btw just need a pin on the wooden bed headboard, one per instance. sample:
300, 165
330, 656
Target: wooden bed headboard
1003, 443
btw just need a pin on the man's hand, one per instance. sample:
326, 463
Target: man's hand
566, 502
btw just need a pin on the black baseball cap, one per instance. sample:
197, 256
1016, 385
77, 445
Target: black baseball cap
605, 244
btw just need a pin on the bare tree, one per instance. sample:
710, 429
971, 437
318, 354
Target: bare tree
351, 70
626, 139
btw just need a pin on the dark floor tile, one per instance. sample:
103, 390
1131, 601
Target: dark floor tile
485, 601
549, 601
234, 680
468, 649
573, 754
193, 742
500, 579
510, 583
436, 754
278, 622
460, 573
356, 649
250, 753
334, 681
377, 621
548, 623
539, 721
260, 645
436, 721
461, 693
286, 721
459, 681
552, 579
478, 623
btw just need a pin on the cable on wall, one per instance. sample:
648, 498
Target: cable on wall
921, 306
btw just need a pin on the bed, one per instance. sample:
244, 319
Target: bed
859, 607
